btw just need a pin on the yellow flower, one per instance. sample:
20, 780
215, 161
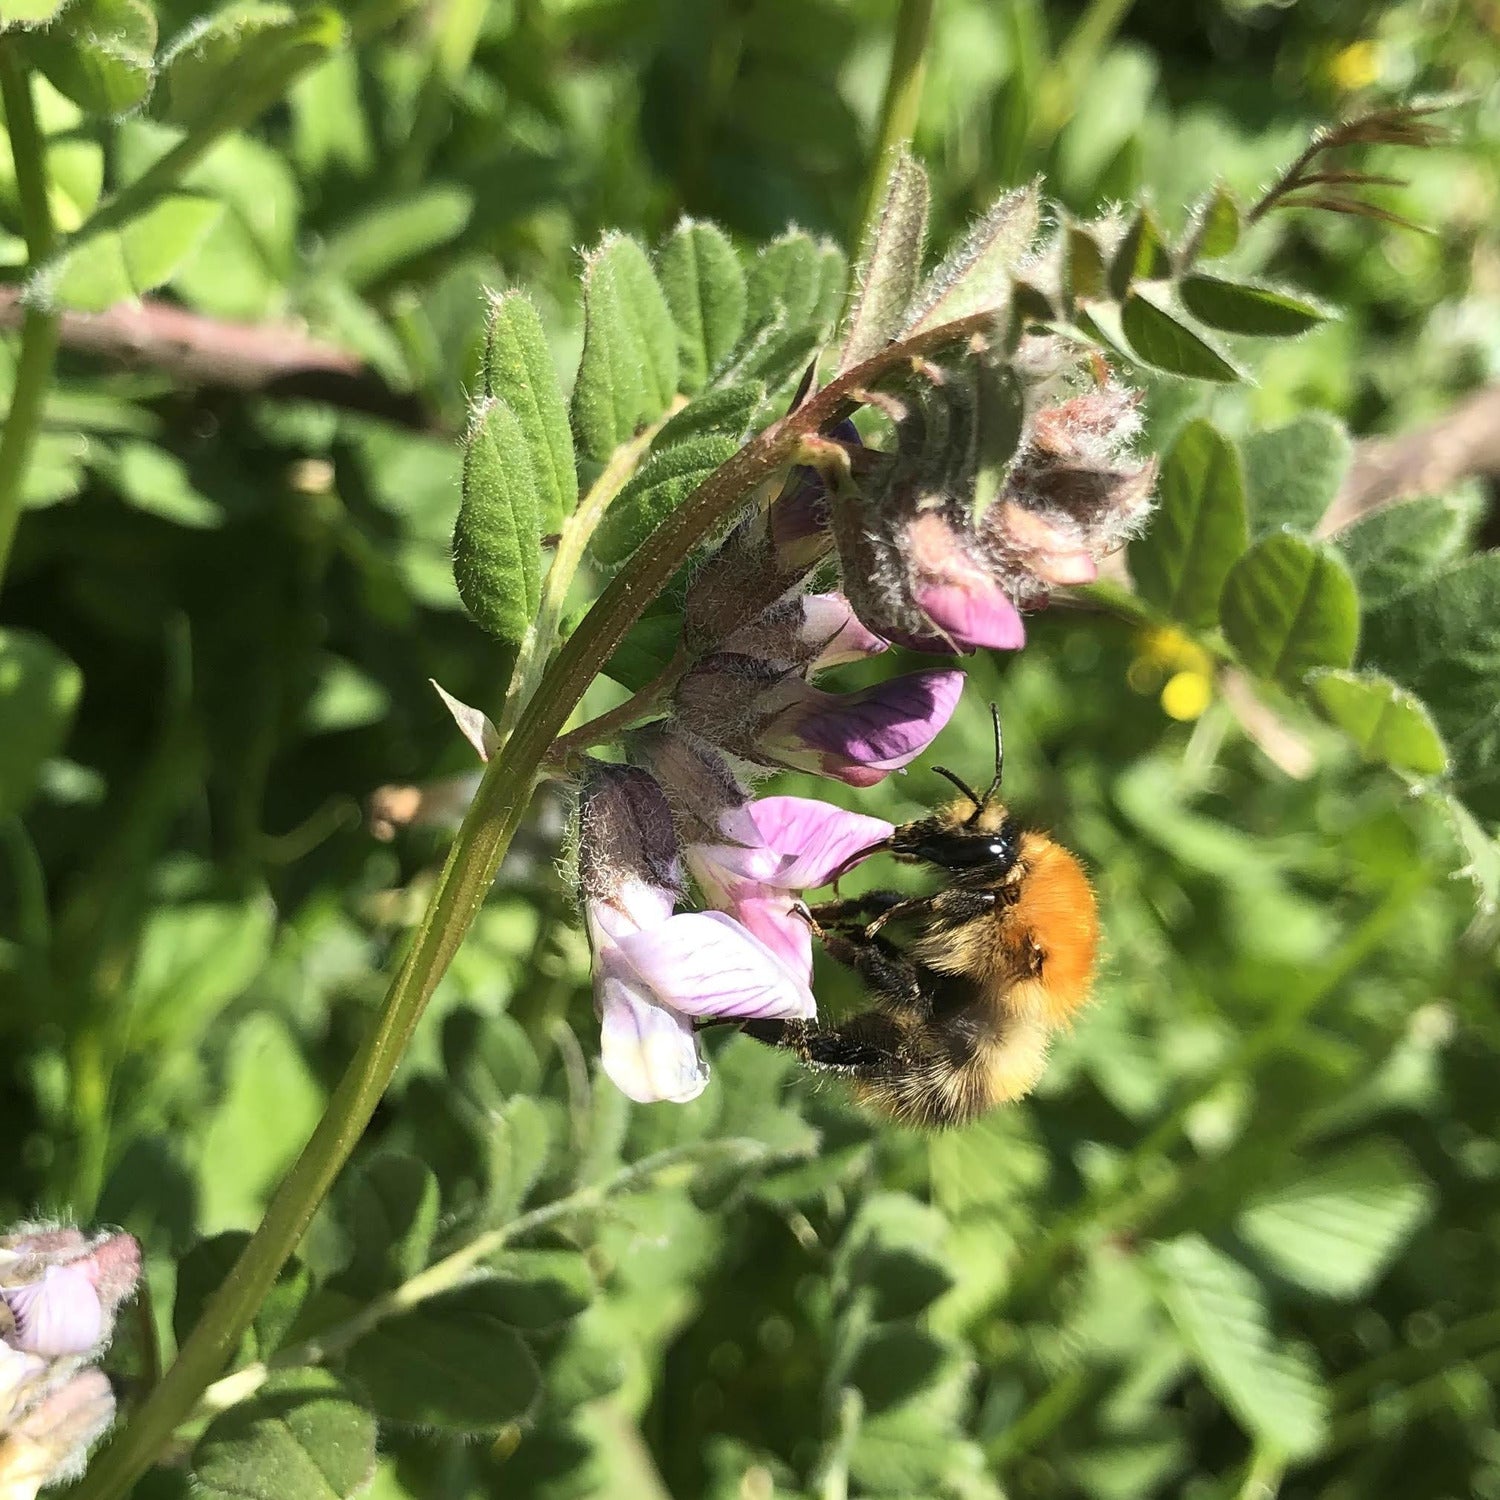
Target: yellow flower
1356, 67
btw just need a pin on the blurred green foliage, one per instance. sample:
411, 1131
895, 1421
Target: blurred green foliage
1244, 1237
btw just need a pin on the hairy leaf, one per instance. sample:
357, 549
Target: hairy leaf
1199, 530
1293, 472
1246, 307
663, 482
890, 264
798, 281
1441, 639
1140, 256
302, 1436
628, 372
1166, 338
452, 1363
497, 540
117, 265
1275, 1391
518, 369
704, 286
1396, 548
1387, 723
103, 57
1337, 1225
391, 1216
975, 276
1289, 605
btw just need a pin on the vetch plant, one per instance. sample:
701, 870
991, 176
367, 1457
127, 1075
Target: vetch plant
766, 470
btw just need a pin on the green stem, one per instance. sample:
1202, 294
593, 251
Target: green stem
459, 1268
473, 860
903, 98
39, 329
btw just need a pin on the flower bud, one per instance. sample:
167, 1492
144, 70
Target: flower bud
811, 632
627, 843
49, 1443
60, 1291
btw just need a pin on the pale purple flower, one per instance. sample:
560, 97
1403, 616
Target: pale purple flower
860, 738
655, 972
811, 631
772, 848
61, 1289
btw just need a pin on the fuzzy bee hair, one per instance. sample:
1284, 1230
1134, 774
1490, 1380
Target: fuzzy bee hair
966, 1000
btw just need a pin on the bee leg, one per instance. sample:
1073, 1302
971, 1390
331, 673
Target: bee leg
865, 1046
857, 908
890, 974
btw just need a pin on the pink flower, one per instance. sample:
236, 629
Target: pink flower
860, 738
62, 1289
49, 1443
654, 972
773, 847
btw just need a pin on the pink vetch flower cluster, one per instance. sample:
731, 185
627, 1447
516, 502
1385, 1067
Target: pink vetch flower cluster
59, 1292
680, 809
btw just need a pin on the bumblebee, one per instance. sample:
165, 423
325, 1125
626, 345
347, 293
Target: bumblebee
986, 969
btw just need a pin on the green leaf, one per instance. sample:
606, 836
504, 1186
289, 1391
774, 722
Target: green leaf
1293, 472
239, 59
157, 482
388, 235
270, 1105
662, 483
648, 646
1216, 224
39, 691
1479, 849
453, 1363
119, 265
1083, 264
727, 411
519, 1151
891, 1251
1140, 256
302, 1436
1167, 339
976, 275
1441, 639
192, 960
628, 372
1247, 307
20, 13
704, 285
1289, 605
1337, 1225
1274, 1390
201, 1272
1199, 529
497, 541
518, 369
796, 281
1395, 548
391, 1215
539, 1289
890, 264
103, 57
1386, 722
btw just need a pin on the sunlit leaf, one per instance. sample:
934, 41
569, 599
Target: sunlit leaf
1249, 308
1289, 605
1388, 724
890, 264
1166, 338
704, 286
1292, 473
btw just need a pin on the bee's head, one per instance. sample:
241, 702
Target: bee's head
972, 834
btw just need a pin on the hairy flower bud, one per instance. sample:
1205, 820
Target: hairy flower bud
49, 1443
59, 1290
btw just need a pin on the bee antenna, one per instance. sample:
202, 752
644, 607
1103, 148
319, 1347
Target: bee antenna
962, 785
999, 752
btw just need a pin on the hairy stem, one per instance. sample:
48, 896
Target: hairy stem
39, 328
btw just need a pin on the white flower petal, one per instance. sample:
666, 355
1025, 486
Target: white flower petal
649, 1052
704, 963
